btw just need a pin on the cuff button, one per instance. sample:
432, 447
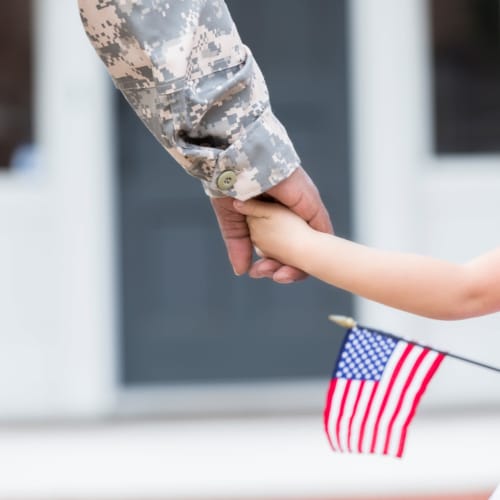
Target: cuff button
226, 180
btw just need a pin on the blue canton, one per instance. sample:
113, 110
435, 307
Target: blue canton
365, 355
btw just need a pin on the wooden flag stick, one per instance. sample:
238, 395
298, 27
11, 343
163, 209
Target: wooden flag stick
346, 322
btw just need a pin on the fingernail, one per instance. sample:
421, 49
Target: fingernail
236, 272
238, 203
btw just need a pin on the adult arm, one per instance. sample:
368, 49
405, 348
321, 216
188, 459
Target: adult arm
184, 70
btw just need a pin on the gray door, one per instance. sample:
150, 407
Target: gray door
184, 316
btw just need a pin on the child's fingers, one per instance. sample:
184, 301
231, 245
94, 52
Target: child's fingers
252, 208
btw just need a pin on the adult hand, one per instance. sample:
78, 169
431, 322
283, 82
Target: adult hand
298, 193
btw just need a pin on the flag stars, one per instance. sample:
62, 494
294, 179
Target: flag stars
365, 355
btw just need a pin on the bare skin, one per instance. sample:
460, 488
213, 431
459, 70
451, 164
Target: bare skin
418, 284
297, 192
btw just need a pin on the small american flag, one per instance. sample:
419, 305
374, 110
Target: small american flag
376, 386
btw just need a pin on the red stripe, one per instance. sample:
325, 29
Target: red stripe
394, 376
341, 411
328, 407
409, 380
365, 418
423, 387
354, 410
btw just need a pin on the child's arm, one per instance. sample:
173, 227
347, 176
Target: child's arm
421, 285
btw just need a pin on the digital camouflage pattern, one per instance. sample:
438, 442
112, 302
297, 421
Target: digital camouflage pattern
183, 68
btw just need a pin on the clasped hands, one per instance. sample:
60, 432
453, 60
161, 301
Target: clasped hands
301, 196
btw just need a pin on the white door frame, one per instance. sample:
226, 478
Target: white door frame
57, 327
407, 198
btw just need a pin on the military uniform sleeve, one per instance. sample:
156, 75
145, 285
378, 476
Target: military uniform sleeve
183, 68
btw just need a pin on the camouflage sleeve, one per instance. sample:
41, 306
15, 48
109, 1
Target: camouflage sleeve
183, 68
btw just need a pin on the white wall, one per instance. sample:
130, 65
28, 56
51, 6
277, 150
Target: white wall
56, 328
57, 325
408, 199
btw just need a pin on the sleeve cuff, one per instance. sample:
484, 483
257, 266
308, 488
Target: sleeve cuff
261, 158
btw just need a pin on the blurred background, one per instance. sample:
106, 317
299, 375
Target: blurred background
134, 365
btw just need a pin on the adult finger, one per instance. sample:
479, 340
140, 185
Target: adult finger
264, 268
272, 269
234, 231
288, 274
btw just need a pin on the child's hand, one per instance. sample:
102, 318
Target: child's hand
275, 230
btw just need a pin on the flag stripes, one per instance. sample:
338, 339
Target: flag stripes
374, 393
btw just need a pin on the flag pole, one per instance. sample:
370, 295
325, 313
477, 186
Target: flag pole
348, 323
